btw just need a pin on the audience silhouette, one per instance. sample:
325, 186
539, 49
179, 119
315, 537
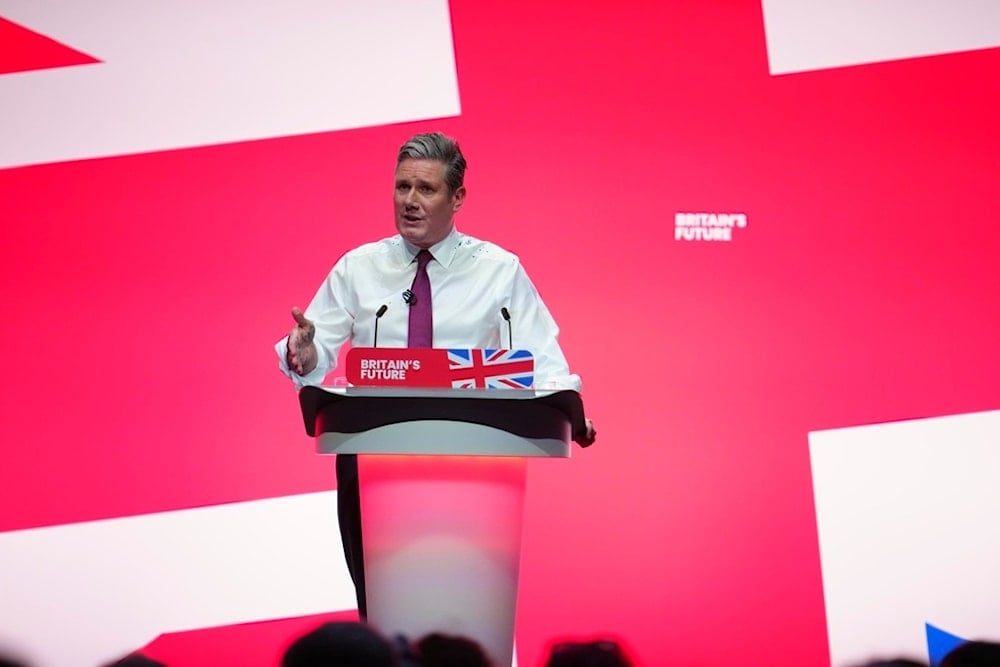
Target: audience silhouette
136, 660
597, 653
356, 644
977, 653
439, 650
341, 644
10, 661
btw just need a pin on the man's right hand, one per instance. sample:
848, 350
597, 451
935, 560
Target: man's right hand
301, 355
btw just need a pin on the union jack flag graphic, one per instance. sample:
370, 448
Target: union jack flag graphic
491, 369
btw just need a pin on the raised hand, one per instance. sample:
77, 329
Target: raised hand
301, 355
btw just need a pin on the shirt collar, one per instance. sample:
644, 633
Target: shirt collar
443, 250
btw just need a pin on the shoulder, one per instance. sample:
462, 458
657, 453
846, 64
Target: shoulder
384, 246
486, 251
365, 261
374, 256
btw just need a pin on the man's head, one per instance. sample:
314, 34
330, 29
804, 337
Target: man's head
429, 188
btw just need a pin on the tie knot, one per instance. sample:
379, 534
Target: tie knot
423, 257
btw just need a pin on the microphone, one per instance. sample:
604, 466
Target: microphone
409, 297
510, 329
378, 314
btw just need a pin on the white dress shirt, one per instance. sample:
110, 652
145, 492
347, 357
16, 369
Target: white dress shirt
471, 280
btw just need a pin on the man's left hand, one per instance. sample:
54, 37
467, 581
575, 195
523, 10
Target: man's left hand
591, 435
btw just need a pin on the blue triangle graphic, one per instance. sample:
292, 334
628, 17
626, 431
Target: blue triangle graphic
940, 643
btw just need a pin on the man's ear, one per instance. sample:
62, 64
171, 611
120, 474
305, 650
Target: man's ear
458, 198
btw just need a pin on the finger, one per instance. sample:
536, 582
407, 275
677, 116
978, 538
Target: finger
300, 319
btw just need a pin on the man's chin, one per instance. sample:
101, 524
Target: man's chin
418, 240
419, 235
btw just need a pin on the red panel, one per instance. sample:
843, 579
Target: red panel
244, 644
25, 50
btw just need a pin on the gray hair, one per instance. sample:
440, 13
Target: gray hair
436, 146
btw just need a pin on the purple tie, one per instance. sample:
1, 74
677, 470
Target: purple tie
421, 333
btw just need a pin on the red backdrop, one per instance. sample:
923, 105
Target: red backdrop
864, 289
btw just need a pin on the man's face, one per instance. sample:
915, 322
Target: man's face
424, 209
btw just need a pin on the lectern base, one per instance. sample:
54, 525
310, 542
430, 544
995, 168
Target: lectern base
442, 542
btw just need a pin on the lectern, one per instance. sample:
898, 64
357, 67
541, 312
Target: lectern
442, 476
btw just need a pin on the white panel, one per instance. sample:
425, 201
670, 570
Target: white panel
807, 35
181, 74
80, 594
908, 532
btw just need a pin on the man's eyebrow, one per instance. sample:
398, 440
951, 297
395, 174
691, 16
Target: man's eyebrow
418, 182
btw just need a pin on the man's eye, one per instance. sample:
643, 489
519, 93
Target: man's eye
426, 188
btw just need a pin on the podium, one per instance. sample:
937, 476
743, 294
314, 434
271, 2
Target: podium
442, 475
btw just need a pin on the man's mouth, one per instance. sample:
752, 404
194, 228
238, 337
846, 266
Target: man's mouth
411, 217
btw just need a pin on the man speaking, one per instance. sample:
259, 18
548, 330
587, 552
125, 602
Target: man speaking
428, 286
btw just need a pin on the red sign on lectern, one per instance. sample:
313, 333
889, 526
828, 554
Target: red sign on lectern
433, 367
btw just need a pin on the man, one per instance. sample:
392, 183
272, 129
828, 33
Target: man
474, 286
